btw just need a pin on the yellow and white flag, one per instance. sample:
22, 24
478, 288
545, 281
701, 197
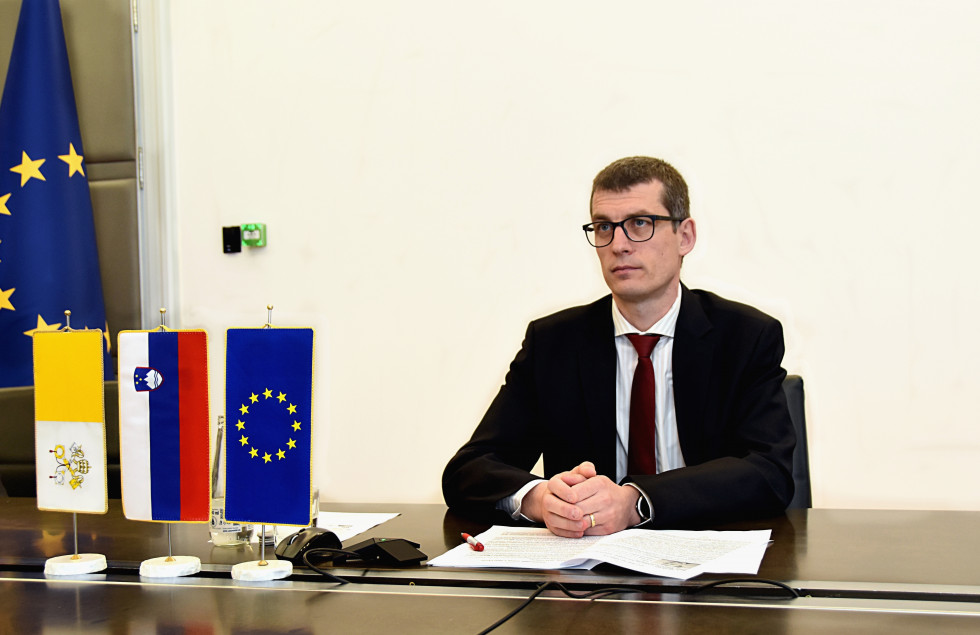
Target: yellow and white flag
69, 421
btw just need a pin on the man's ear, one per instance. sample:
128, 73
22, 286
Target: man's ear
687, 236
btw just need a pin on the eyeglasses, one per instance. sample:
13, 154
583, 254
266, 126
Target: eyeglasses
637, 228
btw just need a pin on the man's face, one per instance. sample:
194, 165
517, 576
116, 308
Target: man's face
638, 273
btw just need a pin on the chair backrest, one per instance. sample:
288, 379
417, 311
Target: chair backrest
17, 434
793, 387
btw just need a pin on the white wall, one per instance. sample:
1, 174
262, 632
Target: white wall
424, 168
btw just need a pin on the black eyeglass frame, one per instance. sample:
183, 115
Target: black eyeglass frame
590, 228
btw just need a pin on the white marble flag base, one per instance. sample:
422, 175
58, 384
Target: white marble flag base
75, 565
253, 571
172, 567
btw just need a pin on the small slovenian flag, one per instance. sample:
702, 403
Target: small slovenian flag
164, 432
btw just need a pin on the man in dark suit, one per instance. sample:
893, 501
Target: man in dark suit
700, 435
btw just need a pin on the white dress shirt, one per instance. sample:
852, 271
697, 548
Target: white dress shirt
669, 456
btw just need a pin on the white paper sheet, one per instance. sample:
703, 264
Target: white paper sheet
344, 524
672, 554
349, 524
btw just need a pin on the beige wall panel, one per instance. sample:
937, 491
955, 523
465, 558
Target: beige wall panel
98, 34
116, 228
99, 38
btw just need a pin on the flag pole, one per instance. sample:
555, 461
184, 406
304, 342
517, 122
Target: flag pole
74, 515
172, 566
262, 561
262, 536
170, 544
262, 569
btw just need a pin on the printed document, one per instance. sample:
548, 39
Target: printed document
349, 524
345, 525
671, 554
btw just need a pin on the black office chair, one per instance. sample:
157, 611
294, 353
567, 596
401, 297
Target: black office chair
793, 387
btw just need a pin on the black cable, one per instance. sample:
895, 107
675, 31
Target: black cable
520, 608
765, 581
588, 595
596, 594
605, 591
350, 554
327, 574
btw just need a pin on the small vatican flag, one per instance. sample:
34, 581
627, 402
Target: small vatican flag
69, 422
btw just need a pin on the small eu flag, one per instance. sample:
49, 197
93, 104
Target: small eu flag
48, 257
268, 414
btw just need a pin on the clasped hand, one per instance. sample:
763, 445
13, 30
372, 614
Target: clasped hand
582, 503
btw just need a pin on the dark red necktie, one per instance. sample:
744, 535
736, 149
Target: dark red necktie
642, 455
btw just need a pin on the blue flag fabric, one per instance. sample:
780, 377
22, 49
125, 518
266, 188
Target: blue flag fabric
268, 418
48, 257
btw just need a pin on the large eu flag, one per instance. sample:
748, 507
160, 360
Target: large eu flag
48, 257
269, 422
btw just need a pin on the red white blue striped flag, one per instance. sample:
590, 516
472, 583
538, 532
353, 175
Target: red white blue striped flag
164, 432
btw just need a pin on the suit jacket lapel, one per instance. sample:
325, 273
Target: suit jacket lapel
597, 367
693, 356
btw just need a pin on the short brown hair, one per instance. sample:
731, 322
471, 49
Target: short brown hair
623, 174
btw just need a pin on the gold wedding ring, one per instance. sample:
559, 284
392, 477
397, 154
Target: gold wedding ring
592, 518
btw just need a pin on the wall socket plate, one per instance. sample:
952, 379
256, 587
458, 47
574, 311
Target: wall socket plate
253, 234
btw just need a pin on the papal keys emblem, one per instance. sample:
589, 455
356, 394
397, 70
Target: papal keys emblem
71, 468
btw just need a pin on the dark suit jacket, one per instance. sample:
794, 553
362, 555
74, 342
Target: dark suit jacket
558, 399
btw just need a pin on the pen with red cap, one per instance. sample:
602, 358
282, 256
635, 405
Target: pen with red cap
475, 544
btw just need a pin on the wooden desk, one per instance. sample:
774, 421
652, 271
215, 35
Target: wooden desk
896, 572
892, 554
124, 604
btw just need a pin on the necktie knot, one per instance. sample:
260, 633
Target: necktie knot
643, 343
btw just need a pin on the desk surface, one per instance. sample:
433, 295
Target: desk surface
895, 571
818, 549
107, 603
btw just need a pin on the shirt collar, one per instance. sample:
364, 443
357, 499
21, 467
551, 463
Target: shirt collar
664, 326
